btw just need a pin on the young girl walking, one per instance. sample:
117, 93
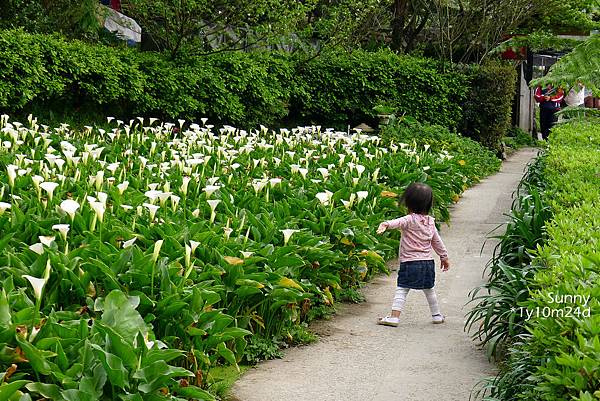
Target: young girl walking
419, 237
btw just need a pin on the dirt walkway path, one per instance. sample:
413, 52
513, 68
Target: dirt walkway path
357, 360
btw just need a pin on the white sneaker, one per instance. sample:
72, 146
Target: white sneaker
388, 321
438, 319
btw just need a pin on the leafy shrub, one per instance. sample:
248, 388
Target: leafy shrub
556, 356
342, 88
496, 317
72, 76
516, 138
472, 160
166, 276
488, 106
245, 89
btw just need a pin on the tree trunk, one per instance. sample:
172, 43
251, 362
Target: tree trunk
400, 13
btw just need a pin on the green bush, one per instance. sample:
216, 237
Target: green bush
516, 138
473, 160
343, 88
567, 348
488, 107
66, 77
495, 319
45, 74
557, 356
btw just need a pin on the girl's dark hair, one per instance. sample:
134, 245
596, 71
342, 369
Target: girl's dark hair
418, 198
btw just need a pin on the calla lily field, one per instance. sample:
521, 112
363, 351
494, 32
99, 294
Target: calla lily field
136, 258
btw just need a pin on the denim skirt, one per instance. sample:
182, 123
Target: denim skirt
417, 274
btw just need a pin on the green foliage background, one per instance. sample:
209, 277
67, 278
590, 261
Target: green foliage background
550, 249
72, 78
488, 107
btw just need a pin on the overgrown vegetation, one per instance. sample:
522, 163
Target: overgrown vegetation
547, 320
516, 139
488, 107
136, 259
468, 153
239, 88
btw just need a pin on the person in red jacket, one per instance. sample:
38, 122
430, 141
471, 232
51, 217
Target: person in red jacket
549, 99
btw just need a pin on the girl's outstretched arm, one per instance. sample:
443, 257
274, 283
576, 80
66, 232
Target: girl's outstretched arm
393, 224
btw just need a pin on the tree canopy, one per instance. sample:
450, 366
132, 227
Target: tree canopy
453, 30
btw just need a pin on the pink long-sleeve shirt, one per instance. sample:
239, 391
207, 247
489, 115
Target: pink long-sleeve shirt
419, 237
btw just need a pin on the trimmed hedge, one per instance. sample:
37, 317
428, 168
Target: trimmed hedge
343, 88
48, 73
556, 356
567, 348
488, 108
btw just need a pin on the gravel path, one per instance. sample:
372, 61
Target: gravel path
357, 360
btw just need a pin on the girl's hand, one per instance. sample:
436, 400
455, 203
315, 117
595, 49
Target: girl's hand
382, 227
445, 265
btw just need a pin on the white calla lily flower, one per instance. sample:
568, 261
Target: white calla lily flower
102, 197
63, 229
287, 234
324, 197
129, 243
152, 209
70, 207
157, 245
3, 207
99, 209
213, 203
359, 169
303, 172
324, 172
11, 170
152, 195
37, 284
49, 187
46, 240
211, 189
122, 187
37, 180
184, 185
361, 195
38, 248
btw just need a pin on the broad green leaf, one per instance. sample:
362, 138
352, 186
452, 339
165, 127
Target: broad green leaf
49, 391
289, 283
226, 353
93, 384
120, 314
113, 365
119, 345
5, 316
77, 395
167, 355
157, 374
7, 390
35, 357
249, 283
193, 392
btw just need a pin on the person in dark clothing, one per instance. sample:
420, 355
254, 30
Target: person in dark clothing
549, 99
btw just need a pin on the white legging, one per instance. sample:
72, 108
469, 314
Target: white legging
402, 293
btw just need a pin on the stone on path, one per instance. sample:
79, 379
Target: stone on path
357, 360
